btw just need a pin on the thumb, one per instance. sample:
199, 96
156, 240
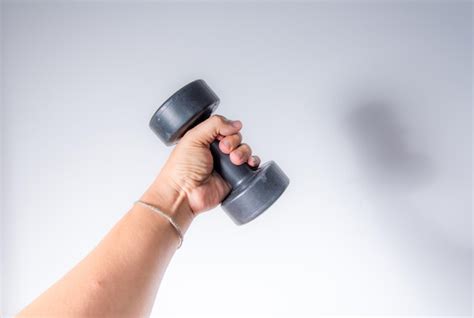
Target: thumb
207, 131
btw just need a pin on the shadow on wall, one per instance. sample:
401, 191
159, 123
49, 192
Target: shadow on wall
395, 166
386, 152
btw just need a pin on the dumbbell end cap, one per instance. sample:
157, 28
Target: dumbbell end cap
253, 197
190, 105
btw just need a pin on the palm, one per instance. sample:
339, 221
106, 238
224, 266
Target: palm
208, 195
205, 189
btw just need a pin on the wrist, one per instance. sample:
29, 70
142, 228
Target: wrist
164, 196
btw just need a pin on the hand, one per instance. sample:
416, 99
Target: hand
189, 169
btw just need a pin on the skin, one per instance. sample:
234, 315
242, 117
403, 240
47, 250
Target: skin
121, 276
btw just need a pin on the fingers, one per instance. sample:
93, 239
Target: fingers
230, 140
229, 143
211, 128
241, 154
254, 161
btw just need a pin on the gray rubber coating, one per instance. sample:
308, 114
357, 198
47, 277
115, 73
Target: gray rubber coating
186, 108
258, 193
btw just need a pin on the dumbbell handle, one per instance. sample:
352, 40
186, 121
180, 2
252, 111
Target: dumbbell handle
232, 173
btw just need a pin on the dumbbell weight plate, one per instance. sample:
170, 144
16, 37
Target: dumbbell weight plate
187, 107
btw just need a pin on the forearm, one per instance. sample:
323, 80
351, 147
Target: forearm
120, 277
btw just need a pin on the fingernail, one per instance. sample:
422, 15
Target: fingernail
238, 154
236, 123
226, 144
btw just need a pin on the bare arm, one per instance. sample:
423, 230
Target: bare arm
121, 276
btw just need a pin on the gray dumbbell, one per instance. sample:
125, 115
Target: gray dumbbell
253, 190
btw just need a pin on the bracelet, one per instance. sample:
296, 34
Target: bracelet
166, 216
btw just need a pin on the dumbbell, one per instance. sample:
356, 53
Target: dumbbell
253, 190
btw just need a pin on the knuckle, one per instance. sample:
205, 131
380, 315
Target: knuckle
218, 119
245, 151
246, 148
236, 139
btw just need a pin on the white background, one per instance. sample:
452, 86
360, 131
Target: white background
367, 107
